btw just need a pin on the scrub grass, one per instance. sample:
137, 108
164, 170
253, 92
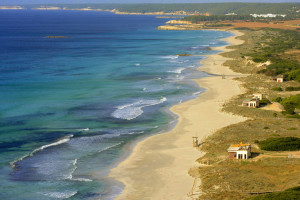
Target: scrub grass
223, 178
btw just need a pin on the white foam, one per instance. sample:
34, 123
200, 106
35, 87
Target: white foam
137, 64
172, 57
73, 170
197, 93
60, 195
105, 149
82, 179
132, 111
70, 176
61, 141
144, 89
177, 71
84, 129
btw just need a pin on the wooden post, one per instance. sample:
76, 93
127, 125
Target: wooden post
195, 142
223, 76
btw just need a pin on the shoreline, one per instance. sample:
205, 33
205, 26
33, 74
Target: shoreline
158, 166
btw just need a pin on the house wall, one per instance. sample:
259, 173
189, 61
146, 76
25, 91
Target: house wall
232, 155
258, 96
253, 104
242, 155
279, 80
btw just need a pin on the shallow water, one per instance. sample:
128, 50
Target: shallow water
69, 106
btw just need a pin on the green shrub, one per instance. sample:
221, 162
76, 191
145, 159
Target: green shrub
277, 99
259, 60
293, 75
264, 101
290, 103
289, 194
277, 89
292, 88
280, 144
294, 116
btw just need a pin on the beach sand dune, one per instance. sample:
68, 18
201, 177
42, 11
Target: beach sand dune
158, 166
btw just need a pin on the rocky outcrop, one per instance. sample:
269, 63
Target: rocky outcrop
178, 22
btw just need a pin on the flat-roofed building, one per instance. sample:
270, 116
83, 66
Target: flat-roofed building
239, 151
253, 103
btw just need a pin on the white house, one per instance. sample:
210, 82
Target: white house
258, 96
278, 79
231, 14
253, 103
239, 151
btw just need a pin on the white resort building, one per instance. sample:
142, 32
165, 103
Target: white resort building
267, 15
239, 151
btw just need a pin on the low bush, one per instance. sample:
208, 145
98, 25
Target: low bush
290, 103
280, 144
293, 75
277, 99
292, 88
277, 89
289, 194
264, 102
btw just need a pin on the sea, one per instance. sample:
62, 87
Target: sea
71, 108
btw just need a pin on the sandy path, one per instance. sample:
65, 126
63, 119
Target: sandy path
158, 167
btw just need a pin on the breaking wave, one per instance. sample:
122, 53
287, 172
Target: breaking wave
59, 195
61, 141
132, 111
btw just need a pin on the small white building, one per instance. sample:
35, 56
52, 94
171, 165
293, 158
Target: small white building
239, 151
267, 15
253, 103
258, 96
278, 79
231, 14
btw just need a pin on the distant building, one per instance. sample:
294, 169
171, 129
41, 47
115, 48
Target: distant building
267, 15
239, 151
253, 103
278, 79
230, 14
258, 96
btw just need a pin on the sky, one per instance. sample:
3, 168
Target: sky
22, 2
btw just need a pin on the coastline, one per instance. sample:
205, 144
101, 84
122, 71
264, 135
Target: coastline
158, 166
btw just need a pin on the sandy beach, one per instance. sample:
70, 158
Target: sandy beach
158, 166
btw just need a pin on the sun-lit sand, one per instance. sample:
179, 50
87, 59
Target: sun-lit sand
157, 169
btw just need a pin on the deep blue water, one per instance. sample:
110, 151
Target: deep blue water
69, 106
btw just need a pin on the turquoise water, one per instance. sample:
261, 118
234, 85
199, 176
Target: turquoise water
70, 106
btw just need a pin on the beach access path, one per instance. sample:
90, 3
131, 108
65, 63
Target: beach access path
158, 166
